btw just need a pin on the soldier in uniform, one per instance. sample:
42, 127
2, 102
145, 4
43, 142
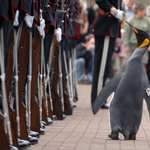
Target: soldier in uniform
106, 28
50, 21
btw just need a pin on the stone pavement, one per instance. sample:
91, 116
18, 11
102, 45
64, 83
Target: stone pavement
85, 131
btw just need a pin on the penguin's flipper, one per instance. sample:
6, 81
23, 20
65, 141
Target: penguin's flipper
146, 94
106, 91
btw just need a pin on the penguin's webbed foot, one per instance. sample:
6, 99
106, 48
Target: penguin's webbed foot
132, 137
114, 136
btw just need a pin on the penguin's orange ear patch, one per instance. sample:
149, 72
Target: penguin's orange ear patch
134, 30
145, 43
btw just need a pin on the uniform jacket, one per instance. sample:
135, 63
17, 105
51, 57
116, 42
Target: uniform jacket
106, 24
27, 6
7, 10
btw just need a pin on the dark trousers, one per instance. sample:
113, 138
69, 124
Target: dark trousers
98, 58
148, 67
47, 44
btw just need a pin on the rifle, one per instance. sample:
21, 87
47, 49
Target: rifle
48, 84
4, 144
58, 70
35, 116
41, 81
43, 94
8, 83
57, 106
44, 104
29, 82
66, 94
22, 76
7, 127
46, 97
49, 99
60, 78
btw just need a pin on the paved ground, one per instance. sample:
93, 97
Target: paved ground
84, 131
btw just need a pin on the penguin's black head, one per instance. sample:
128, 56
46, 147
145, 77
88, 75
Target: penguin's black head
142, 36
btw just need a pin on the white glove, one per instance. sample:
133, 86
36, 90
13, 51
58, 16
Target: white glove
119, 14
29, 20
16, 22
41, 27
58, 33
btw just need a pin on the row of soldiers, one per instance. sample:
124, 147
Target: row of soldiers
37, 67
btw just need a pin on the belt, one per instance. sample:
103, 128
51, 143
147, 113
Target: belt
101, 12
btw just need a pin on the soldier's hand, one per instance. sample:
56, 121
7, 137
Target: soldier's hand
58, 33
29, 20
119, 14
41, 27
16, 21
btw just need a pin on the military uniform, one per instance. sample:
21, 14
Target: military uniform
106, 29
50, 21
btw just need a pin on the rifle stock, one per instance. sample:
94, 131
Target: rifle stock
57, 107
46, 81
21, 83
42, 84
68, 109
35, 116
44, 109
4, 144
12, 113
48, 85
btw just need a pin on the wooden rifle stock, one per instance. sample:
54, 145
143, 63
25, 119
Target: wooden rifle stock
49, 99
48, 93
22, 77
4, 144
57, 107
35, 116
44, 109
67, 106
42, 81
46, 105
12, 113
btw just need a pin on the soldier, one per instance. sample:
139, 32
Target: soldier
106, 28
22, 67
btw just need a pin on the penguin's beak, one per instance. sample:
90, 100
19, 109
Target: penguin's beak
133, 28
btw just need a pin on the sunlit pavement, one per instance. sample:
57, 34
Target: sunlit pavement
85, 131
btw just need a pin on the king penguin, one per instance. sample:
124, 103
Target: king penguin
130, 86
